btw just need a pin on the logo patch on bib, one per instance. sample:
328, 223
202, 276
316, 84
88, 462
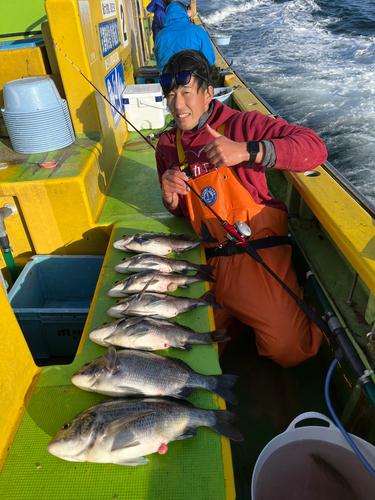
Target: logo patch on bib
209, 195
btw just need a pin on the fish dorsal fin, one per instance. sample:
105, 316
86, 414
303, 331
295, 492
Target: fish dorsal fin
109, 360
142, 238
165, 322
185, 237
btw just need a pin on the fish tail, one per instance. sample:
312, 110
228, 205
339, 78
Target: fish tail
223, 384
210, 299
206, 236
201, 276
224, 425
217, 336
205, 268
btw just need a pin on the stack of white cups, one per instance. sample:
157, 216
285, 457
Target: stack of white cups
36, 117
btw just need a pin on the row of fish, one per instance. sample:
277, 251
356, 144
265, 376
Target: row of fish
122, 431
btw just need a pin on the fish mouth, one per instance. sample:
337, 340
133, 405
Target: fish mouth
61, 449
120, 267
84, 381
101, 333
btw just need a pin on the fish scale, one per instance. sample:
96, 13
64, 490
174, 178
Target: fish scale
122, 431
159, 306
151, 262
156, 282
162, 244
152, 334
131, 372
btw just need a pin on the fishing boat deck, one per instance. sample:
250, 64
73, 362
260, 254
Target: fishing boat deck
199, 467
24, 167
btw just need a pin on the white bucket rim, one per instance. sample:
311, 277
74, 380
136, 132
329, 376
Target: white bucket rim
315, 432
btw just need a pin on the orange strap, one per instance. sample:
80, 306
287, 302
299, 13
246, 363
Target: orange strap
230, 200
180, 151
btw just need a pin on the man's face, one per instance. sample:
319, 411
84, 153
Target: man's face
187, 105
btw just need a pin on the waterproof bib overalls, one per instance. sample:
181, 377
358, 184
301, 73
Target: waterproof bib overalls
244, 289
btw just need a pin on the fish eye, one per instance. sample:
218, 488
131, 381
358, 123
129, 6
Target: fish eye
66, 426
116, 282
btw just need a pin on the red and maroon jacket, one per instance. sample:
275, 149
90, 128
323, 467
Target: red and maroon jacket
298, 149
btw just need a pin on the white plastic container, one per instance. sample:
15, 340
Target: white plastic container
302, 462
144, 106
221, 39
223, 94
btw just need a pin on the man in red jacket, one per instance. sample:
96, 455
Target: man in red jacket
227, 152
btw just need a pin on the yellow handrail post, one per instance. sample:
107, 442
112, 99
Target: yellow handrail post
193, 5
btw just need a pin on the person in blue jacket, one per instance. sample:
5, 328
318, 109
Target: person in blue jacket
157, 7
179, 34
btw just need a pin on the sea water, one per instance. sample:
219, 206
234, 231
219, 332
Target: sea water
314, 470
314, 63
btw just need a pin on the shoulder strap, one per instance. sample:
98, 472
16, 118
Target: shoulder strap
221, 129
180, 150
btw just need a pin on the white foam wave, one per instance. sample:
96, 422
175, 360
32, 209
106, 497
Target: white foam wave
231, 11
290, 53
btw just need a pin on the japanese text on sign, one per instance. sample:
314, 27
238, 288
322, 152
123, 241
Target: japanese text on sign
108, 8
109, 36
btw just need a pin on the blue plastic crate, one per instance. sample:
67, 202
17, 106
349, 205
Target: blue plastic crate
51, 299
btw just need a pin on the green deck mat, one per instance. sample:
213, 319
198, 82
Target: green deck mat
192, 468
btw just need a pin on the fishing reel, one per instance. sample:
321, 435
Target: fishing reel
242, 229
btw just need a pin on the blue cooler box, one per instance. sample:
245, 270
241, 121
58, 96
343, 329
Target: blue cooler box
51, 299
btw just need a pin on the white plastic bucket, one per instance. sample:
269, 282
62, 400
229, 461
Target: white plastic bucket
223, 94
221, 40
309, 463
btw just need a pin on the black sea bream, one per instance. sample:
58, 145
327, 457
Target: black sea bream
151, 262
159, 306
162, 244
156, 282
150, 334
122, 431
141, 373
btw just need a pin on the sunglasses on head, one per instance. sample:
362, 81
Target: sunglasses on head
181, 78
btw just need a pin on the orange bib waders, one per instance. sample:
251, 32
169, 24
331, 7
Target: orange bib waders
245, 289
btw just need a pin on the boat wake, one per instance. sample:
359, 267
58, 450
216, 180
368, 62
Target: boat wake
314, 64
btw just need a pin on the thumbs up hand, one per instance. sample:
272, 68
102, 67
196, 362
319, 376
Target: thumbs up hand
224, 152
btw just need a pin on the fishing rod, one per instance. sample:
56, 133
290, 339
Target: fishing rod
250, 250
109, 102
236, 236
